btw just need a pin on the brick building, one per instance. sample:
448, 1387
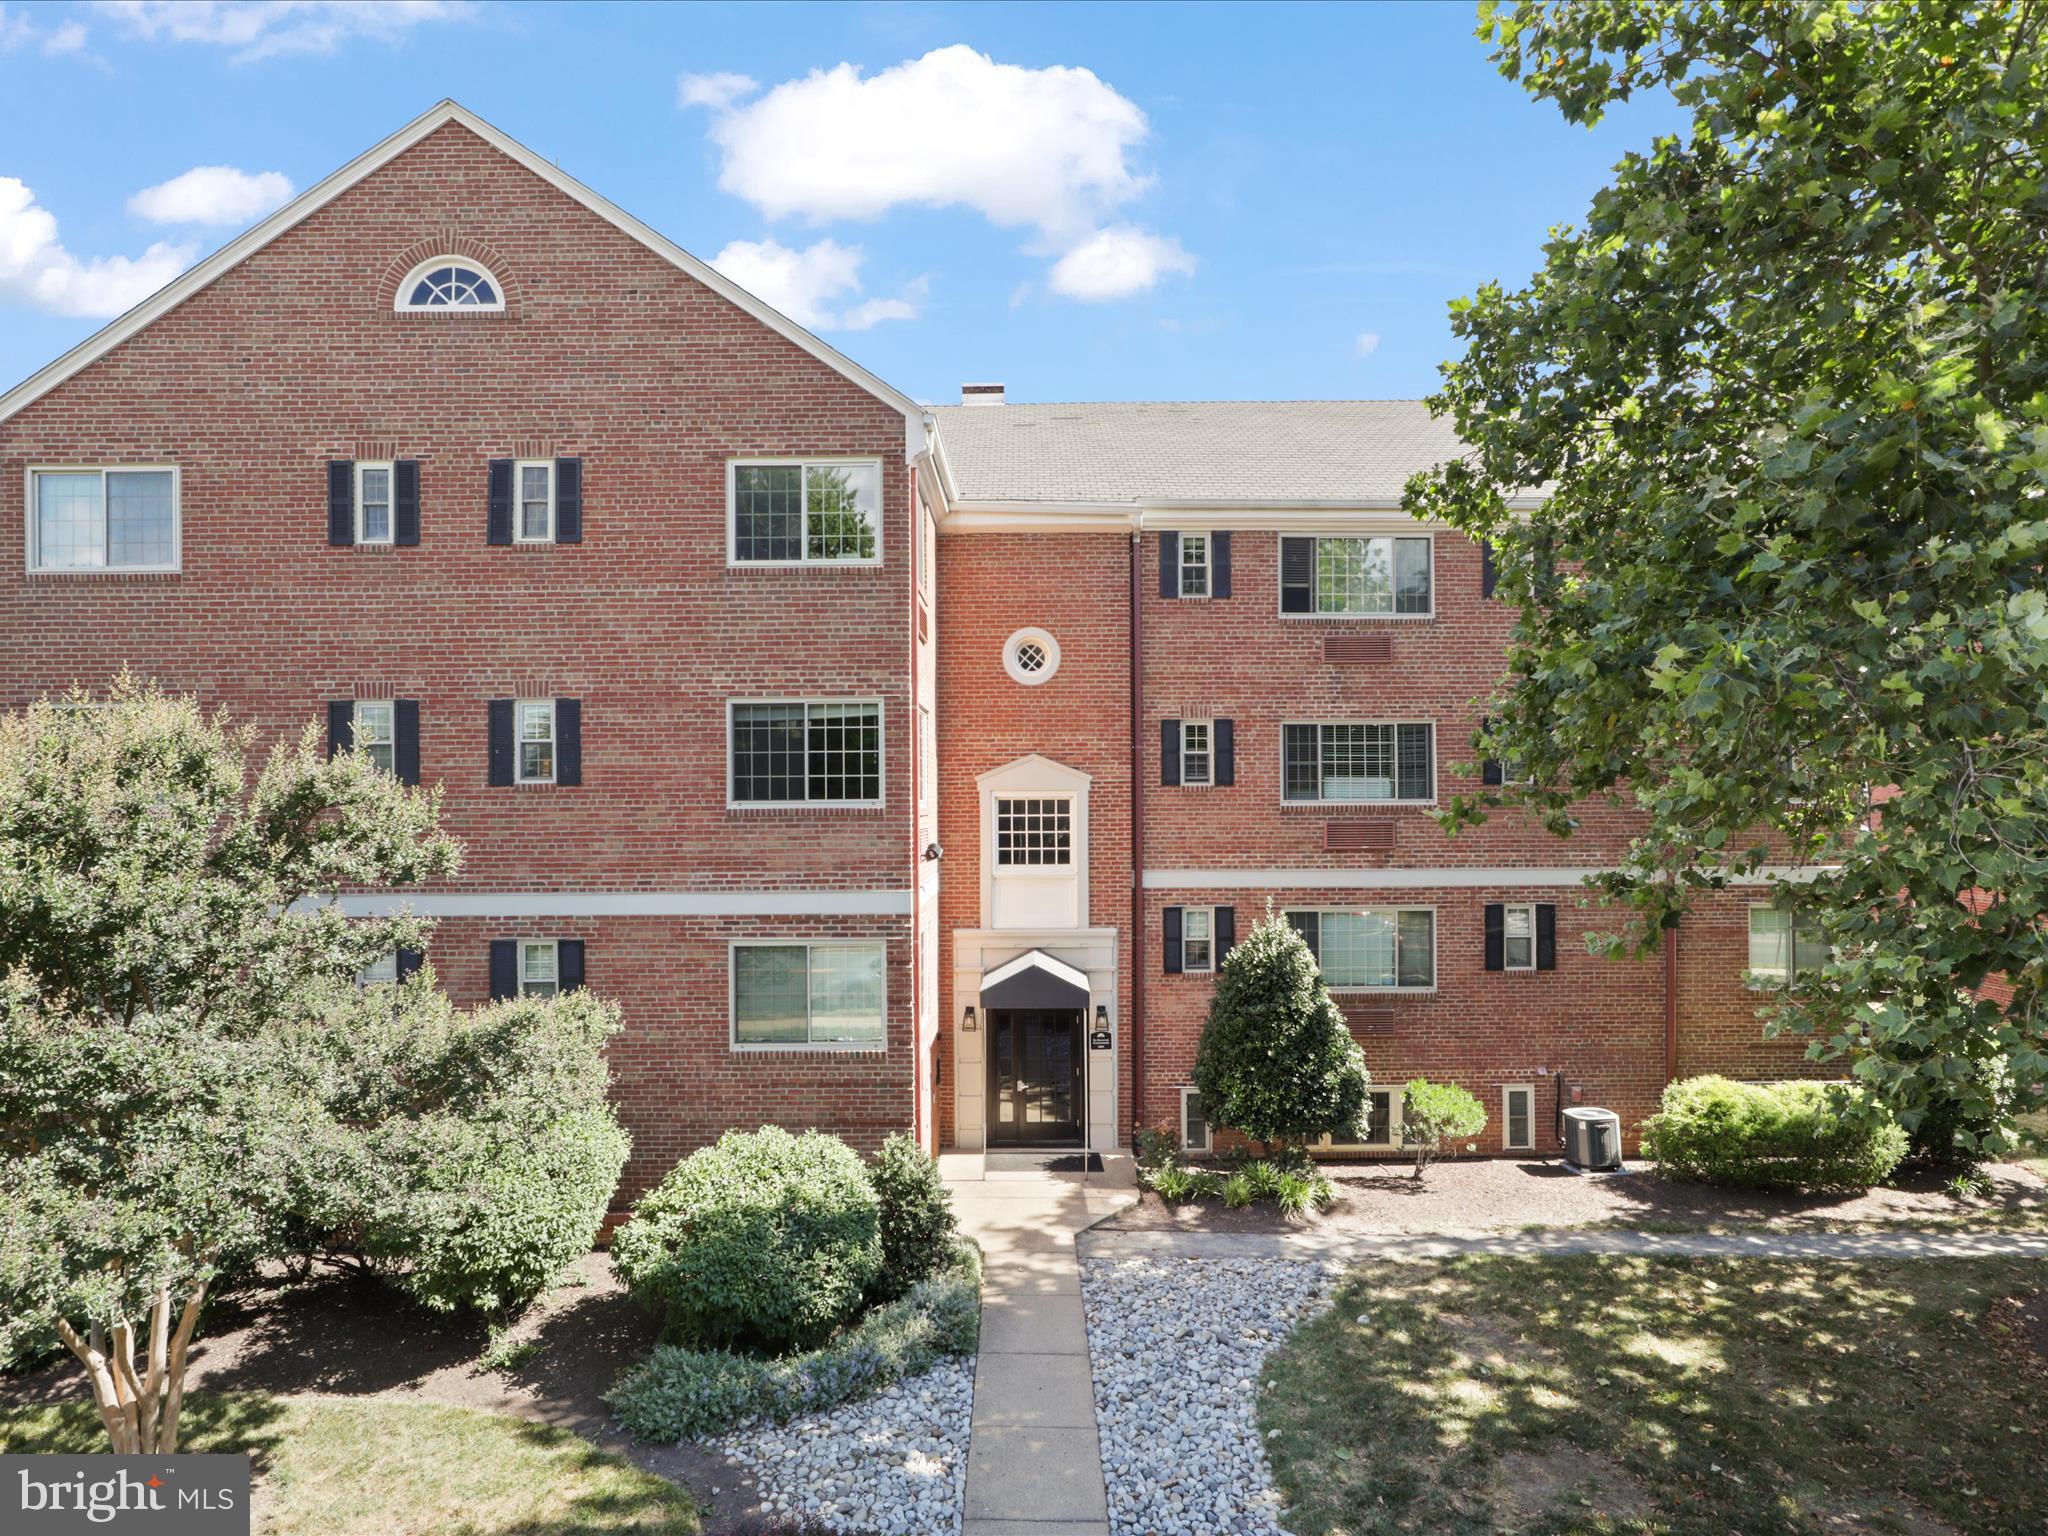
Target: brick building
893, 767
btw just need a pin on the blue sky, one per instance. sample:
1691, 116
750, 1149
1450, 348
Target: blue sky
1154, 201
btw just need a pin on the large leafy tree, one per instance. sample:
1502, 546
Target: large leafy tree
1762, 452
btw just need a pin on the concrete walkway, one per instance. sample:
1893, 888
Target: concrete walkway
1034, 1466
1363, 1247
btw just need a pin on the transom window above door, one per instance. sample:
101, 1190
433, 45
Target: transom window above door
1035, 832
451, 283
806, 512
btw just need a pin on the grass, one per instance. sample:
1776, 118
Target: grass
1689, 1397
331, 1467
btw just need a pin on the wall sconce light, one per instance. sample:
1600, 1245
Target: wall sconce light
967, 1020
1102, 1015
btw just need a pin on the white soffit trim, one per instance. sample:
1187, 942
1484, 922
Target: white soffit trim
868, 903
1464, 877
318, 196
1035, 959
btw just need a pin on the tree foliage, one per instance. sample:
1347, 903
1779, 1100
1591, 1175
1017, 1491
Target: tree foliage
1277, 1061
1784, 393
1435, 1117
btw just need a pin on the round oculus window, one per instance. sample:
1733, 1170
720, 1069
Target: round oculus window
1031, 656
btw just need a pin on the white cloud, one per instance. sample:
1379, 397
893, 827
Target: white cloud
1368, 342
1117, 262
1047, 149
716, 91
809, 284
212, 194
261, 29
18, 32
68, 38
36, 269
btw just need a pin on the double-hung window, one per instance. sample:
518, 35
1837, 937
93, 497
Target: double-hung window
534, 511
818, 995
1343, 762
798, 512
1348, 576
1194, 1125
535, 762
1518, 938
799, 752
1392, 949
373, 503
1196, 760
540, 968
1782, 947
1198, 939
376, 731
1194, 565
103, 520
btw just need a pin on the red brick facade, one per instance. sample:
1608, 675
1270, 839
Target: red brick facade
610, 352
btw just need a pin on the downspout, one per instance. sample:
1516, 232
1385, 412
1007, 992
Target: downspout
1671, 1003
1136, 1033
923, 1128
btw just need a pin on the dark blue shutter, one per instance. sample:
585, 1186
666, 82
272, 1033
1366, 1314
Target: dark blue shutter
1489, 768
409, 961
341, 725
1226, 933
1546, 936
405, 744
568, 501
1309, 925
1169, 565
1297, 575
1223, 752
569, 960
568, 741
405, 502
501, 741
1169, 751
1219, 565
1496, 936
1171, 948
501, 501
504, 969
1486, 571
341, 501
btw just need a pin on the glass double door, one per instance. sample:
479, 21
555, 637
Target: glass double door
1035, 1084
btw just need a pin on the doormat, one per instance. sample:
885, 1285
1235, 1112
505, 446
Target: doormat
1042, 1162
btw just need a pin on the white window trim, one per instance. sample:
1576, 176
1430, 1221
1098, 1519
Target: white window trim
1765, 981
32, 520
364, 980
519, 949
519, 708
769, 1047
1208, 1141
1180, 569
1280, 595
732, 510
1508, 1090
401, 300
519, 469
732, 707
1031, 635
1032, 871
356, 725
1198, 970
1517, 906
1434, 765
1397, 1099
1350, 989
390, 468
1209, 752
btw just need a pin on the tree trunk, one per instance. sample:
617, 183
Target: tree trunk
140, 1412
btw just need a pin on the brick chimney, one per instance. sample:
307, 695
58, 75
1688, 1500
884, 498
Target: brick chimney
981, 394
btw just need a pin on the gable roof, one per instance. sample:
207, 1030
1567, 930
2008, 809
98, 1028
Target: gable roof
1245, 453
318, 196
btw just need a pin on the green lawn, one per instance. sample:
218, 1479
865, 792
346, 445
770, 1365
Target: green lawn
1694, 1397
368, 1468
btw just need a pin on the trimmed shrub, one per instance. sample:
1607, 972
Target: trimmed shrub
762, 1240
1796, 1136
916, 1215
1434, 1115
682, 1393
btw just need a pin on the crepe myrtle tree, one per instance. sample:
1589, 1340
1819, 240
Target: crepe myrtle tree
1762, 455
159, 918
1277, 1061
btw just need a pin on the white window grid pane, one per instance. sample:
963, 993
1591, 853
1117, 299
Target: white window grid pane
380, 970
846, 994
1354, 575
843, 752
771, 993
536, 502
539, 975
452, 286
537, 741
1198, 946
842, 509
71, 527
768, 752
768, 512
373, 504
1356, 949
1518, 938
375, 730
1194, 565
1358, 762
141, 516
1035, 832
1194, 752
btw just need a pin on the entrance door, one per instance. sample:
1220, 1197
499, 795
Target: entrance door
1034, 1076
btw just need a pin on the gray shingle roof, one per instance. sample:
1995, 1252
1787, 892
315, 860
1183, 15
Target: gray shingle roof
1247, 451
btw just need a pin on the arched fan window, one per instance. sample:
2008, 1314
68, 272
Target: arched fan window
451, 283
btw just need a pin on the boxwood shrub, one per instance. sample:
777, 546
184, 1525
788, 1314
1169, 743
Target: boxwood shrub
1795, 1136
762, 1240
916, 1216
683, 1393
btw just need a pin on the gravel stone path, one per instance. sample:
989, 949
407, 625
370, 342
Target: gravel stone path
894, 1464
1177, 1345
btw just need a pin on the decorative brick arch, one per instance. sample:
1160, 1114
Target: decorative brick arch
446, 242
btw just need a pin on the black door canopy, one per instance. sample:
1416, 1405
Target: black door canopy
1035, 980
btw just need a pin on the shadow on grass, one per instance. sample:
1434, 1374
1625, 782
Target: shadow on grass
207, 1421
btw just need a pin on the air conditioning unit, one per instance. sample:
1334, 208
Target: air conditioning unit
1592, 1139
